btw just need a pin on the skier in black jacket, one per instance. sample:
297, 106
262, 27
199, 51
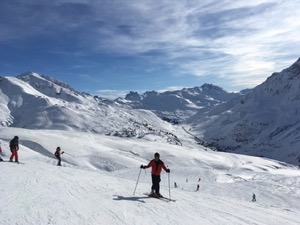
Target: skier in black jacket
14, 147
57, 155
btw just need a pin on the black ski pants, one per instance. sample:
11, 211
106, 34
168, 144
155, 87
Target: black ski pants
155, 183
59, 160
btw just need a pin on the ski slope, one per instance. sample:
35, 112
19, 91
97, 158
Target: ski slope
95, 185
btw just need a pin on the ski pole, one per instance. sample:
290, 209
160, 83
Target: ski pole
169, 186
137, 181
69, 154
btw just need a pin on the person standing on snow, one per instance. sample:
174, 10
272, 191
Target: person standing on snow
157, 165
14, 147
253, 198
57, 155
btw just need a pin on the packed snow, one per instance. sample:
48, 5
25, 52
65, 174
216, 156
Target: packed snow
96, 183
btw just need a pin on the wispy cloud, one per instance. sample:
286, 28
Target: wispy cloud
171, 88
238, 42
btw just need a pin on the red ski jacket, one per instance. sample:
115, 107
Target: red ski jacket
156, 166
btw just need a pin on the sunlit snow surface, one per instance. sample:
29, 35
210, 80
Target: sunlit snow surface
95, 185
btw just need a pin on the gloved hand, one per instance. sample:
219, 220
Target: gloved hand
62, 152
168, 170
142, 167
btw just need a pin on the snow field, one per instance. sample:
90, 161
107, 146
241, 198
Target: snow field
96, 185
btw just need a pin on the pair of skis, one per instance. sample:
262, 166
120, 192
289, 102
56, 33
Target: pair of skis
12, 162
161, 198
151, 196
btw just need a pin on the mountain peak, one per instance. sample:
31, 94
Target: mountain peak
285, 82
34, 77
29, 74
179, 104
210, 87
133, 96
51, 87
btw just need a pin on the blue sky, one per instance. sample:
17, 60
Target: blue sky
110, 47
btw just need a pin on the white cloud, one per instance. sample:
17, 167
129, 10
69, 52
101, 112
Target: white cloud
233, 40
171, 88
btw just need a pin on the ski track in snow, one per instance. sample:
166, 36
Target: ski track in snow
96, 186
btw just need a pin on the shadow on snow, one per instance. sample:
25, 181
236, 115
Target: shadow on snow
133, 198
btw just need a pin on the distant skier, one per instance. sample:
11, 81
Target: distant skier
253, 198
199, 180
0, 152
14, 147
57, 155
157, 165
175, 185
198, 186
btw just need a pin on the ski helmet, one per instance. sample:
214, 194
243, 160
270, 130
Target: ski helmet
156, 154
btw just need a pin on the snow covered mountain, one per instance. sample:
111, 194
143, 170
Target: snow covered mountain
35, 101
264, 122
175, 106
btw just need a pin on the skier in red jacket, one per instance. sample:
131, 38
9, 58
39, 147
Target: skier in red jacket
14, 147
157, 165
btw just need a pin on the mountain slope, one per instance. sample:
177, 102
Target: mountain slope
35, 101
264, 122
